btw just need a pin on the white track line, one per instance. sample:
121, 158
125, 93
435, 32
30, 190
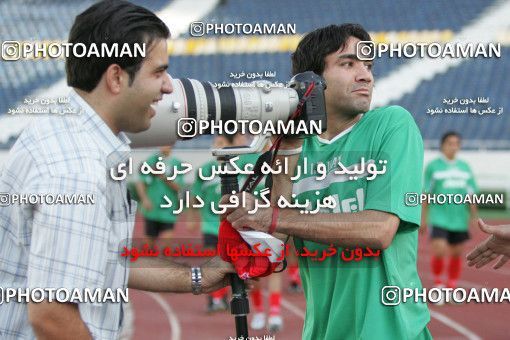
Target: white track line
175, 327
454, 325
287, 304
446, 320
293, 308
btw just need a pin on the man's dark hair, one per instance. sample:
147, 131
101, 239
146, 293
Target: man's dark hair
109, 22
316, 45
449, 134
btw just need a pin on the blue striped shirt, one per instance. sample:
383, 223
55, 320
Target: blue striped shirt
65, 246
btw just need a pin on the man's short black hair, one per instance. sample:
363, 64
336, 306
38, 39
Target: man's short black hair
449, 134
111, 21
316, 45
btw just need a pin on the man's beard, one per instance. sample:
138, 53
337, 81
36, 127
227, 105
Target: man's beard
356, 110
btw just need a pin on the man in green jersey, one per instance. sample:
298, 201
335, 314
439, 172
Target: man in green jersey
154, 189
368, 160
448, 175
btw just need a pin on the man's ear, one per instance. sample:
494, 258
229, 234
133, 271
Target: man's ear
115, 76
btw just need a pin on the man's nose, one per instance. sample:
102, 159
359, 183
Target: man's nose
364, 74
167, 85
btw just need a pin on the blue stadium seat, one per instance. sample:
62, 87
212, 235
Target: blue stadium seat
375, 15
472, 79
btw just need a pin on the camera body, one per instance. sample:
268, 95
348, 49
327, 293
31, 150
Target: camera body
315, 107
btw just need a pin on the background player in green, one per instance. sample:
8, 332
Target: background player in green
151, 189
346, 300
450, 222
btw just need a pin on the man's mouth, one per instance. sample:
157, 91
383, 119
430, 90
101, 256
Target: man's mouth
362, 90
152, 109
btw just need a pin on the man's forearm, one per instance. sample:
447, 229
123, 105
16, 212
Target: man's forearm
368, 228
159, 275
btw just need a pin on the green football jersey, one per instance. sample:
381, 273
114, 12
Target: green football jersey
157, 189
449, 177
344, 299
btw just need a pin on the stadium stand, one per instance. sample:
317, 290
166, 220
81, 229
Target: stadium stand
484, 132
373, 14
51, 21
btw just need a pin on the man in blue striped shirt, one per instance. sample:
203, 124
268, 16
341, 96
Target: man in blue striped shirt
77, 246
